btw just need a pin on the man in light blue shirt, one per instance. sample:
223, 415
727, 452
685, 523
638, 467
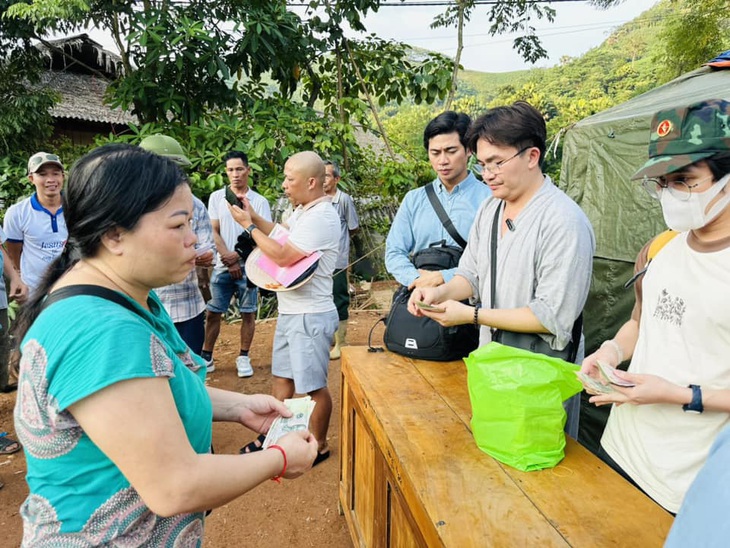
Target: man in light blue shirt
416, 225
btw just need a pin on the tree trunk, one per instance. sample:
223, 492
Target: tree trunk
374, 110
457, 59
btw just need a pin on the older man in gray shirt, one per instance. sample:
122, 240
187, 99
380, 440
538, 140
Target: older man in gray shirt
544, 243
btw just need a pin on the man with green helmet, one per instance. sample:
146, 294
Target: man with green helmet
183, 300
678, 337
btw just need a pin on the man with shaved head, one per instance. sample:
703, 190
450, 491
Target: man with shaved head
307, 315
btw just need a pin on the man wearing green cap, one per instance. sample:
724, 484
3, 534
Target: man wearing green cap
678, 337
183, 300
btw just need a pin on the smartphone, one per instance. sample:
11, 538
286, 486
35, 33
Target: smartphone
232, 199
430, 307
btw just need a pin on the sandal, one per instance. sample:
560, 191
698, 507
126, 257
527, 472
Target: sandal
321, 457
8, 446
255, 445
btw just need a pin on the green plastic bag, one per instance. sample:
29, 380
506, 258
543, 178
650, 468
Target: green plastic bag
517, 404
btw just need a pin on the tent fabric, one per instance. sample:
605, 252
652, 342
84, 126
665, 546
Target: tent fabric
600, 153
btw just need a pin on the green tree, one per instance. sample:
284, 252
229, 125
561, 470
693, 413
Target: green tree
24, 104
695, 32
506, 16
180, 58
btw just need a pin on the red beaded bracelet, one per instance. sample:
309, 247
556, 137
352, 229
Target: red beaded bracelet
278, 477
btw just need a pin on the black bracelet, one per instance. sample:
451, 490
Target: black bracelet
476, 315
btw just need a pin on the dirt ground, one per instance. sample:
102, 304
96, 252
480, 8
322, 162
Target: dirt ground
297, 513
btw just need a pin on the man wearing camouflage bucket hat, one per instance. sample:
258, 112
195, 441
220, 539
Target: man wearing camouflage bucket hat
678, 337
35, 227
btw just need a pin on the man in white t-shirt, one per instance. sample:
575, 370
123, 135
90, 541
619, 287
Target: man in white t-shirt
307, 315
678, 339
229, 276
35, 227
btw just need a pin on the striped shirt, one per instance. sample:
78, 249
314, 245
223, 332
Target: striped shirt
183, 300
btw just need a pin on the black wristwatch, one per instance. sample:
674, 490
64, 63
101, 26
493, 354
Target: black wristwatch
250, 229
695, 406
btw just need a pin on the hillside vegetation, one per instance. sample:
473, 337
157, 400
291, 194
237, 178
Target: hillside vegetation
631, 61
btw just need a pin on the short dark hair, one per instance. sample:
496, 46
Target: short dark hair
447, 122
335, 167
519, 125
236, 154
719, 164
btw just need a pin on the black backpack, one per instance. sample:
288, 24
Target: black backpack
422, 338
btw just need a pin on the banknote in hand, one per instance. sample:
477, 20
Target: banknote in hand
301, 409
609, 375
594, 386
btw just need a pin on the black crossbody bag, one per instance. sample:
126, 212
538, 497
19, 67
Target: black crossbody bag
528, 341
421, 337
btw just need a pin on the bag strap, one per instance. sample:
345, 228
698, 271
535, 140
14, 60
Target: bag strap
443, 216
493, 259
94, 291
577, 325
655, 247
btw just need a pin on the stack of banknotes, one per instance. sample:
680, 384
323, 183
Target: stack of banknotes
606, 383
301, 409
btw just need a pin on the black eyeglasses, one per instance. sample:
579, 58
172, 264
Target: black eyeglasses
496, 167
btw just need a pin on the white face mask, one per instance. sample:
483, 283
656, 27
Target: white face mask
684, 215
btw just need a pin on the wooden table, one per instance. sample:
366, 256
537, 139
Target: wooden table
412, 475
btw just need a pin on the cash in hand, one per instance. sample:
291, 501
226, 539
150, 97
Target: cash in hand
301, 409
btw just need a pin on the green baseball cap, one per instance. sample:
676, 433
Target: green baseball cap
685, 135
41, 158
167, 147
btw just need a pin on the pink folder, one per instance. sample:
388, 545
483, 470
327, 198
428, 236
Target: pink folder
287, 275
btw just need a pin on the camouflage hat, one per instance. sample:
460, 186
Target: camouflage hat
41, 158
685, 135
167, 147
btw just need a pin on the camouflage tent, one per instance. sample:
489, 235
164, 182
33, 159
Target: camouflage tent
600, 154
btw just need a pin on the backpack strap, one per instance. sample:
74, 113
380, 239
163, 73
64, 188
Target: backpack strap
443, 216
659, 242
656, 245
94, 291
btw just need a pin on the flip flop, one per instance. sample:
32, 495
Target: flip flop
8, 446
321, 457
255, 445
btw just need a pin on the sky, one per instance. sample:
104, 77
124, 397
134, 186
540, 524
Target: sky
577, 28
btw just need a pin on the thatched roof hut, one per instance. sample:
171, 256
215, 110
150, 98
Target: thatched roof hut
82, 55
80, 70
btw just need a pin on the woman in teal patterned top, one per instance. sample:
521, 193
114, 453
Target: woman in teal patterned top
112, 410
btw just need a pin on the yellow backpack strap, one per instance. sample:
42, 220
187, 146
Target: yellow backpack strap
659, 242
656, 245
